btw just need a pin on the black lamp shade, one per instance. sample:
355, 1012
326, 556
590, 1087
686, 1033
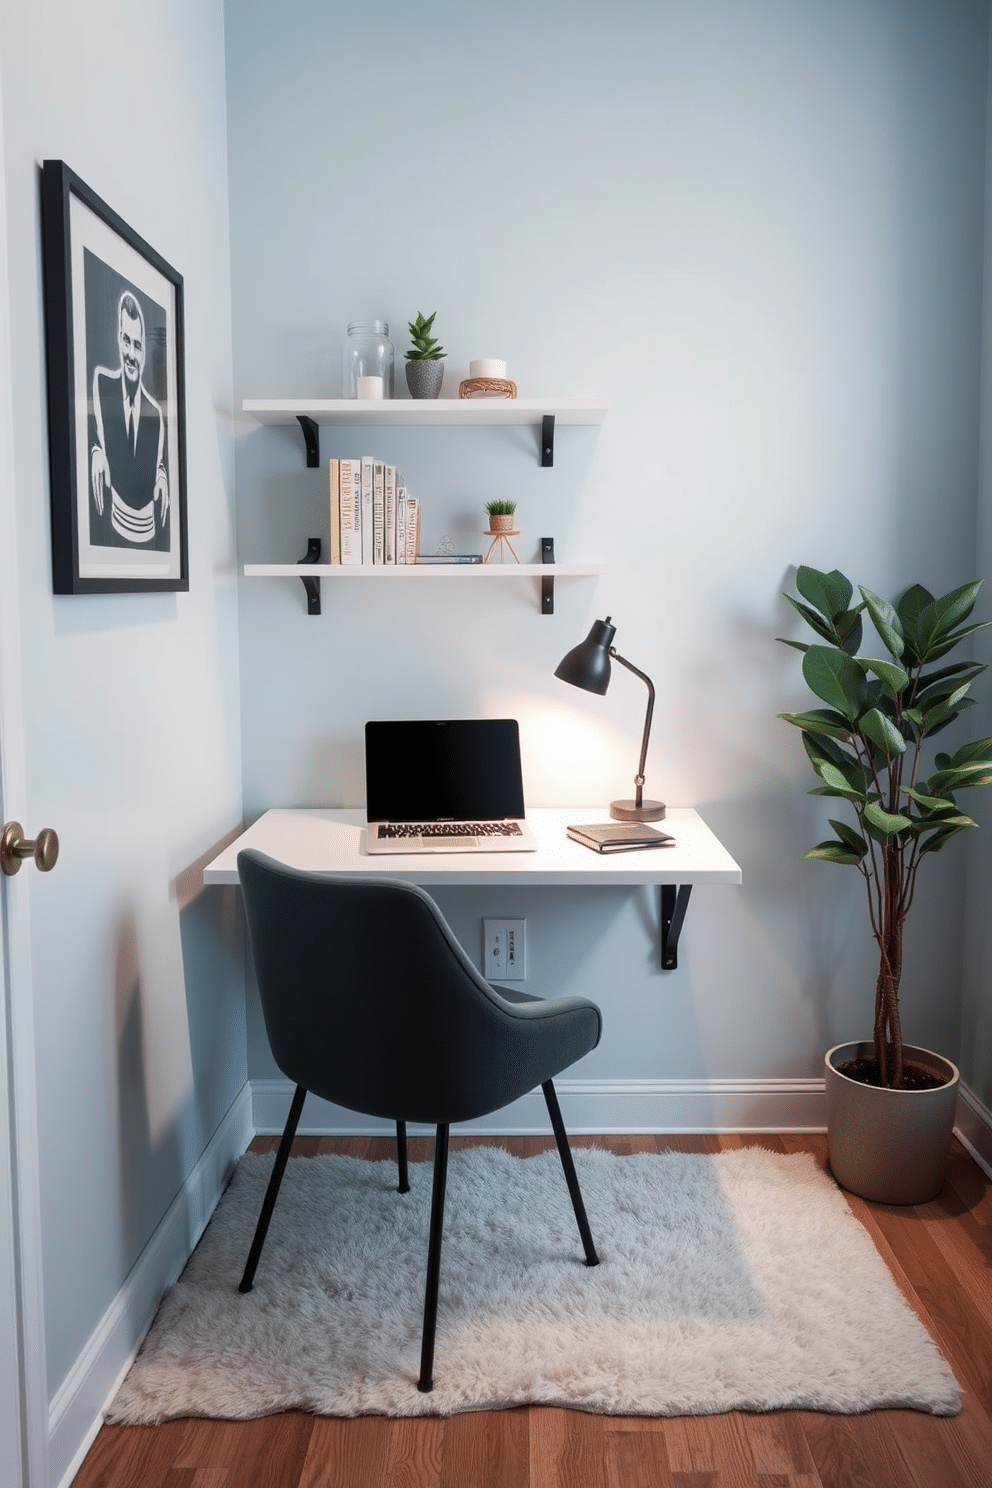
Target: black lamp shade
588, 664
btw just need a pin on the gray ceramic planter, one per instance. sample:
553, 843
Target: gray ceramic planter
424, 379
889, 1145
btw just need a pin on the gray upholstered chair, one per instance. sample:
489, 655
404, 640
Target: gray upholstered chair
370, 1002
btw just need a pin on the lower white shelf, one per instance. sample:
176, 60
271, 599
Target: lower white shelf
312, 573
422, 570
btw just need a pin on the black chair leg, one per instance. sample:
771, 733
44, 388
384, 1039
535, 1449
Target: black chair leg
272, 1192
426, 1381
571, 1178
404, 1179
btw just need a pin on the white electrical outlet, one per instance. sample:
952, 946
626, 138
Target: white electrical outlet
505, 950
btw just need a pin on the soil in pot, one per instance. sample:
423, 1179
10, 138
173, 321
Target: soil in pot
868, 1072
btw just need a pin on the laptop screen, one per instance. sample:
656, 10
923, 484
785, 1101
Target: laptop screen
460, 769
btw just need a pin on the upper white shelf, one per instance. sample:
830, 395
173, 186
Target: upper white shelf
310, 413
427, 411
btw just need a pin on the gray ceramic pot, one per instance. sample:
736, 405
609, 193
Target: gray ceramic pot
889, 1145
424, 379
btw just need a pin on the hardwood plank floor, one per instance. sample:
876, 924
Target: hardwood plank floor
939, 1253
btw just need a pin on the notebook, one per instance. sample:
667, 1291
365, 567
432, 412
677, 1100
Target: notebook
607, 837
445, 785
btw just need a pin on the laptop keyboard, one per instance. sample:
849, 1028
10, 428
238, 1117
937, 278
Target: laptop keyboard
397, 830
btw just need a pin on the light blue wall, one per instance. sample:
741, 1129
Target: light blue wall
976, 1021
757, 228
131, 723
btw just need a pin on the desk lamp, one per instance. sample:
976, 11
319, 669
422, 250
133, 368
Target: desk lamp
588, 666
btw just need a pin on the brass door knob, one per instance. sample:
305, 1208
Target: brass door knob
14, 848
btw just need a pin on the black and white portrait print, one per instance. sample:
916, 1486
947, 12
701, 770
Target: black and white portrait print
126, 374
117, 422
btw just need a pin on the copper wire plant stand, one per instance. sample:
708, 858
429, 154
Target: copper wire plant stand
498, 539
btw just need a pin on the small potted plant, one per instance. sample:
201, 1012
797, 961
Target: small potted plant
501, 527
424, 373
890, 1105
500, 514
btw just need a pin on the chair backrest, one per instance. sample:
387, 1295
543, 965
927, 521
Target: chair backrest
370, 1001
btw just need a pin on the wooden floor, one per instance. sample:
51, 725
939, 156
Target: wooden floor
940, 1254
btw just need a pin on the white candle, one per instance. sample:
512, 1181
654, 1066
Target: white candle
369, 387
487, 367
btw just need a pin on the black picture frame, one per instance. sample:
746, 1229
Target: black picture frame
113, 327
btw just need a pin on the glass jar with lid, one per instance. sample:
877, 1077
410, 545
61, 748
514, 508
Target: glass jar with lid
368, 352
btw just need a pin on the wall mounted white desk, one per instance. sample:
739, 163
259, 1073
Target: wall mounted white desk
331, 840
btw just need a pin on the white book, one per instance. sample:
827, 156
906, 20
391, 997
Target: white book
412, 529
365, 465
400, 522
349, 478
334, 506
378, 512
389, 508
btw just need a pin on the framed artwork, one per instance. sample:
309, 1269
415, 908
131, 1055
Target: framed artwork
116, 412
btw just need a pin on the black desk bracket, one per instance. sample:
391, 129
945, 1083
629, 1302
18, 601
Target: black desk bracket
548, 584
674, 901
311, 438
312, 586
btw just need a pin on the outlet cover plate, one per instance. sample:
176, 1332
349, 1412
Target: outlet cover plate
504, 950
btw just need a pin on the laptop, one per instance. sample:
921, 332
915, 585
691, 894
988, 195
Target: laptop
445, 785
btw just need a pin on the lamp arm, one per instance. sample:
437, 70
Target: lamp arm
639, 777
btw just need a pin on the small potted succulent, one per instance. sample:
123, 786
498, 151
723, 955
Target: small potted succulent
890, 1105
424, 372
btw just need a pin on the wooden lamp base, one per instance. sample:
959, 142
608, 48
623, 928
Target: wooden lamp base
630, 811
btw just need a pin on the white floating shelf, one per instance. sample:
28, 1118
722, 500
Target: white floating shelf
312, 573
422, 570
427, 411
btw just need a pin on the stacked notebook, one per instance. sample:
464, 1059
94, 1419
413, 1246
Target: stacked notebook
619, 836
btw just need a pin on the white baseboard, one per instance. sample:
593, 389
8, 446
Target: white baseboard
590, 1107
974, 1127
76, 1412
606, 1106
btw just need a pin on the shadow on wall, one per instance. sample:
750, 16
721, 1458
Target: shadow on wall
800, 930
214, 948
212, 933
179, 996
148, 1167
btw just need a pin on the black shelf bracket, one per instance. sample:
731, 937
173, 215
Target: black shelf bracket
548, 439
311, 438
548, 584
674, 901
312, 586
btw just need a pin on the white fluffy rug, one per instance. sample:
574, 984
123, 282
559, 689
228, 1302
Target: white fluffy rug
735, 1281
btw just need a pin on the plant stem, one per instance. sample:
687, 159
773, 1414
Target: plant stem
888, 1028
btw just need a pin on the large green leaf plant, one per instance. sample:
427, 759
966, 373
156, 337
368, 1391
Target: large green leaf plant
867, 746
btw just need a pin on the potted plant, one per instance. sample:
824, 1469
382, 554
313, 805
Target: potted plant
501, 528
500, 514
890, 1105
424, 373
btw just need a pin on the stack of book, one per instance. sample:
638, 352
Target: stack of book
374, 519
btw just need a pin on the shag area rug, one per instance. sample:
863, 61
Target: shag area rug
735, 1281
